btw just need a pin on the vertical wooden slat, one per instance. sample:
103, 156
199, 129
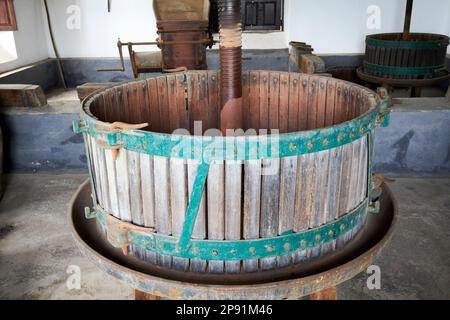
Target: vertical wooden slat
233, 193
339, 115
293, 102
134, 173
252, 206
199, 231
216, 209
148, 197
321, 102
246, 99
203, 102
155, 123
97, 181
144, 98
287, 201
330, 102
321, 195
178, 201
172, 100
274, 101
284, 103
117, 104
270, 205
123, 186
334, 176
254, 100
163, 104
112, 183
124, 104
213, 104
313, 99
163, 213
264, 100
303, 102
301, 218
103, 178
193, 92
183, 113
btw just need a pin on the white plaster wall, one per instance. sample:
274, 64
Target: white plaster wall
330, 26
340, 27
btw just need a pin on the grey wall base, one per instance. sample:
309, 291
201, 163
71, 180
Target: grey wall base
417, 140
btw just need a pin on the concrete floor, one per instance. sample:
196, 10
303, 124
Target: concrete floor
36, 247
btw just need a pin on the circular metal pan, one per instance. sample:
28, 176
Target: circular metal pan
286, 283
402, 82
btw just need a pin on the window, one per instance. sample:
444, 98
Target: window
7, 16
256, 15
7, 47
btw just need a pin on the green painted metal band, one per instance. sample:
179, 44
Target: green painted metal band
406, 71
227, 250
391, 44
207, 149
194, 204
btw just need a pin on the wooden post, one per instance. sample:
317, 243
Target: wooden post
408, 14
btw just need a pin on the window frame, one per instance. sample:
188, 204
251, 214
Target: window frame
10, 14
279, 25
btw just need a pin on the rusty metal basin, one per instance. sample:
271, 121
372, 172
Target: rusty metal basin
291, 282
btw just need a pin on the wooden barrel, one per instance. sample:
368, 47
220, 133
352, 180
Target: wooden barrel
423, 55
287, 198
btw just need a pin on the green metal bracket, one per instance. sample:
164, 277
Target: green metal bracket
227, 250
194, 203
374, 207
90, 214
392, 44
402, 71
78, 126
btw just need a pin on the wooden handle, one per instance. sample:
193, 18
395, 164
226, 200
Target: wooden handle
127, 126
179, 69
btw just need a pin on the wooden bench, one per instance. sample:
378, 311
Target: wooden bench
22, 95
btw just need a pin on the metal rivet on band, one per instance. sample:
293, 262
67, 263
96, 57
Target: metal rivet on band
342, 227
287, 246
318, 237
214, 252
195, 251
269, 248
331, 233
252, 250
325, 142
310, 145
292, 147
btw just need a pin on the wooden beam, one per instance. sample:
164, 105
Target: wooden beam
86, 89
22, 95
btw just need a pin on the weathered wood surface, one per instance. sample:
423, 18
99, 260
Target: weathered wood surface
249, 200
87, 88
22, 95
